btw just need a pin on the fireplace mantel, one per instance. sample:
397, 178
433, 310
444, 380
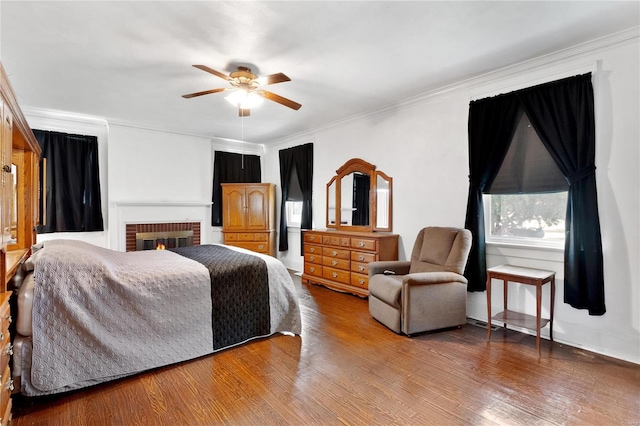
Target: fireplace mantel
126, 212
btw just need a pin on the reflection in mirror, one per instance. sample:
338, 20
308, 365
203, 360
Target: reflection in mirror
382, 209
331, 204
360, 199
14, 205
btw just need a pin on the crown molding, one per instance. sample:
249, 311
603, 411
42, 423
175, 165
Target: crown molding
572, 52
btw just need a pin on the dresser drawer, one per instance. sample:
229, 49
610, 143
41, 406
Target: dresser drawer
7, 351
360, 280
310, 237
359, 256
312, 249
332, 240
6, 386
249, 236
5, 320
360, 268
313, 258
336, 275
330, 252
230, 237
363, 244
313, 269
335, 262
257, 247
6, 418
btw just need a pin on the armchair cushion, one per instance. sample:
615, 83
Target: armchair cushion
425, 278
386, 288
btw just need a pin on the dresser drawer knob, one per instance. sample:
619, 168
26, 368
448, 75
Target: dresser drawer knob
312, 258
312, 238
361, 243
10, 386
261, 246
312, 250
334, 253
361, 281
334, 262
9, 350
360, 268
9, 319
361, 257
334, 275
312, 269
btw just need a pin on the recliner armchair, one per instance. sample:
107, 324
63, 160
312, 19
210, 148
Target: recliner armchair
427, 292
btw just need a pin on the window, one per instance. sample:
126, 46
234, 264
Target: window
526, 203
294, 214
73, 182
526, 219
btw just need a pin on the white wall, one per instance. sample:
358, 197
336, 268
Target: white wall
422, 144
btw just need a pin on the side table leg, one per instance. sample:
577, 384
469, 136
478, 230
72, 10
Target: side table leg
538, 315
488, 307
553, 298
505, 293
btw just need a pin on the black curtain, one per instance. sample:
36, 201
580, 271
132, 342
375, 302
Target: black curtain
492, 123
361, 186
229, 167
301, 158
562, 113
73, 182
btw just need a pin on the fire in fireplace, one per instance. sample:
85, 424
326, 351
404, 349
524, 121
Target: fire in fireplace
163, 240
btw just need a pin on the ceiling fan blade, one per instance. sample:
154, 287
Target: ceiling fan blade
279, 99
214, 72
273, 79
243, 112
206, 92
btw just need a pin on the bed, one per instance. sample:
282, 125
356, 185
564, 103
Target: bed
87, 314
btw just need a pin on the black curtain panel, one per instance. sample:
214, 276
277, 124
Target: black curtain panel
562, 113
492, 123
299, 158
229, 167
361, 186
73, 182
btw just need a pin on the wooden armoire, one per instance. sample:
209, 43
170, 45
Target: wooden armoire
19, 214
248, 216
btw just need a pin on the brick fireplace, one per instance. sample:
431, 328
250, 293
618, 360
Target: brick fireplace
174, 234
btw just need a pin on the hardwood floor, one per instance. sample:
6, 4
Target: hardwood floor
346, 368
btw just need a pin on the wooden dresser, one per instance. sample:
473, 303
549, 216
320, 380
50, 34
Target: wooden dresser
19, 161
248, 216
338, 259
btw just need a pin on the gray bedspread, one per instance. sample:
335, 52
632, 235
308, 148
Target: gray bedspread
100, 314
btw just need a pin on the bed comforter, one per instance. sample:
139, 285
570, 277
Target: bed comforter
100, 314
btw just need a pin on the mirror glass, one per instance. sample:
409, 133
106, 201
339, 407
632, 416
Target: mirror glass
359, 198
355, 197
383, 203
331, 204
14, 205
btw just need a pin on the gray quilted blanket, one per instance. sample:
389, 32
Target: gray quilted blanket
100, 314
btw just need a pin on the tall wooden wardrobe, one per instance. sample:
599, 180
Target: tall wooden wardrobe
19, 214
248, 216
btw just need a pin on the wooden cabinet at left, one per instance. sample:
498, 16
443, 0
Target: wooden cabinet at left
248, 216
19, 186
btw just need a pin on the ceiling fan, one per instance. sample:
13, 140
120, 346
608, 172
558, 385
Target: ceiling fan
247, 89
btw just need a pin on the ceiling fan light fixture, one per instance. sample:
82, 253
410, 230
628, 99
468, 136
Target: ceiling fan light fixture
244, 99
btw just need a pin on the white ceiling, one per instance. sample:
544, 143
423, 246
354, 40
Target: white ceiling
130, 62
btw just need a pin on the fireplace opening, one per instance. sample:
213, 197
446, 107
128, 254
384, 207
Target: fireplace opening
163, 240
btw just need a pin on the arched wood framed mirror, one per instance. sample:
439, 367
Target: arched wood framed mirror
359, 198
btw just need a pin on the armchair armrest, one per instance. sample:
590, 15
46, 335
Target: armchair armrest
426, 278
399, 267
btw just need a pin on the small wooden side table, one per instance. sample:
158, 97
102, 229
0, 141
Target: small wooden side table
522, 275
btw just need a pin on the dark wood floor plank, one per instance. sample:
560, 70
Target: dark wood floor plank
348, 369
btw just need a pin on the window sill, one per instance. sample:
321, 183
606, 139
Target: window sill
503, 251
